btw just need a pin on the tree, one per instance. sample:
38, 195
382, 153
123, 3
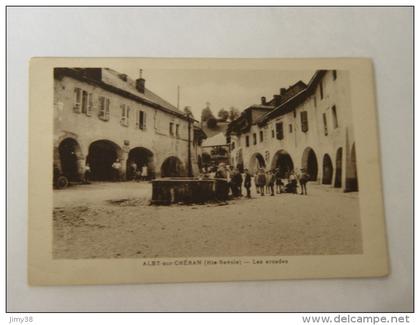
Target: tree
187, 111
233, 113
223, 115
212, 123
206, 113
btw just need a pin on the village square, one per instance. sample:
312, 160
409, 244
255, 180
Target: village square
136, 176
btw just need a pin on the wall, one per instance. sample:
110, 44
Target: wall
297, 143
87, 129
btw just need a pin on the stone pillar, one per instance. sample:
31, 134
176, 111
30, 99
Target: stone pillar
123, 160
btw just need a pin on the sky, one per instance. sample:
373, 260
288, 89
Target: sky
219, 88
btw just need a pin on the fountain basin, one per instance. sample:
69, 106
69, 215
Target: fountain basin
188, 190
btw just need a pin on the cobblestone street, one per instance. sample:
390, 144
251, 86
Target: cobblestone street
105, 220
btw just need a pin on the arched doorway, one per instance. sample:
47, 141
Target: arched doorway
142, 157
172, 167
70, 155
327, 170
256, 162
310, 164
102, 154
338, 167
283, 161
351, 178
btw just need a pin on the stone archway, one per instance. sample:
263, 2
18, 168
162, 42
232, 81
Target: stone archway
310, 163
102, 154
256, 162
338, 167
172, 167
70, 159
327, 170
283, 162
140, 157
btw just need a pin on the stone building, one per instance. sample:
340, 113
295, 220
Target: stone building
101, 115
215, 150
305, 126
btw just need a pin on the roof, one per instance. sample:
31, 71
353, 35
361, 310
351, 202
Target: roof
298, 98
120, 84
216, 140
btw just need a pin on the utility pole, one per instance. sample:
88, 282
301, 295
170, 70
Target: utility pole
177, 100
190, 174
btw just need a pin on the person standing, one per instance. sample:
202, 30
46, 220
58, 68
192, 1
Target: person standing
271, 181
239, 181
261, 180
222, 185
133, 170
144, 173
247, 183
117, 169
279, 183
303, 180
87, 174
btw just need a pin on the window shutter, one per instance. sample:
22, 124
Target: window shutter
127, 116
122, 120
90, 105
144, 121
77, 95
101, 111
137, 119
304, 121
107, 109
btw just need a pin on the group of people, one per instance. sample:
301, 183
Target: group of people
270, 182
138, 173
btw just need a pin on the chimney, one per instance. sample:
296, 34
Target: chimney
140, 82
282, 91
263, 101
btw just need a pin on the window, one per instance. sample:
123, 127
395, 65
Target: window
77, 98
324, 119
104, 108
334, 116
177, 130
272, 133
261, 136
171, 128
290, 128
254, 137
334, 74
304, 121
141, 120
247, 140
90, 105
279, 130
84, 102
321, 90
125, 111
233, 145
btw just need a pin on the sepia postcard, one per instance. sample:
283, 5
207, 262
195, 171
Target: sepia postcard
180, 170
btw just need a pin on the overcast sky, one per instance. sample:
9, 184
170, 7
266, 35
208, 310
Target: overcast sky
220, 88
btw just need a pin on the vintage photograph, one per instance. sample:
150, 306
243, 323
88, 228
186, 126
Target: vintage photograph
188, 163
